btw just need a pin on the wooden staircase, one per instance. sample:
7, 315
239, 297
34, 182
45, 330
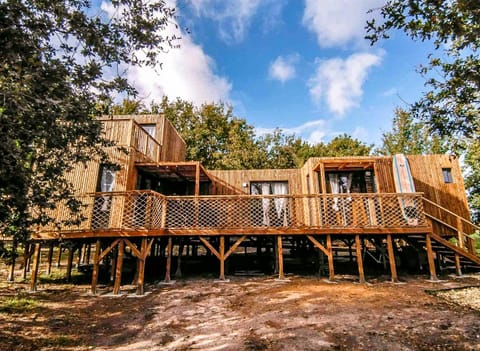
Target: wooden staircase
461, 251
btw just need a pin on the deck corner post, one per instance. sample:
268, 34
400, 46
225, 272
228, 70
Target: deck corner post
71, 252
96, 265
358, 248
168, 265
391, 259
222, 257
331, 271
118, 269
431, 261
281, 274
458, 267
141, 267
36, 261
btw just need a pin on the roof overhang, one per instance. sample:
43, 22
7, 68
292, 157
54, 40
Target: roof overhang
176, 171
344, 164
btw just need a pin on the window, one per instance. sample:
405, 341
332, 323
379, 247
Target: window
447, 175
149, 128
274, 213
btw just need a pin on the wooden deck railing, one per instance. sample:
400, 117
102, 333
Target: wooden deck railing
453, 225
148, 210
127, 132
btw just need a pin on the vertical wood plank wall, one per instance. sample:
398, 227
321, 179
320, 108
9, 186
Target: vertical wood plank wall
231, 182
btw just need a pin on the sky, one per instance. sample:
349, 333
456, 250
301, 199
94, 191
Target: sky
299, 65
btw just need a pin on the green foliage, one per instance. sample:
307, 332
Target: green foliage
409, 137
16, 304
56, 62
472, 176
451, 105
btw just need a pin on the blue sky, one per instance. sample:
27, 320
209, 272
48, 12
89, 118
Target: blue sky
300, 65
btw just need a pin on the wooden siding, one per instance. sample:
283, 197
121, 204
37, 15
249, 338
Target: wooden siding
84, 177
231, 182
428, 178
173, 146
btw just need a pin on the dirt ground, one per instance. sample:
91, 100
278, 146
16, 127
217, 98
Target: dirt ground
249, 313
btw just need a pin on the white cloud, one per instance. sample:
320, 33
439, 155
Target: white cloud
340, 81
187, 72
283, 68
233, 17
311, 131
338, 22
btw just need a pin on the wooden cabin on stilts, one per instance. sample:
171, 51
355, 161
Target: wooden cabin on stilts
163, 214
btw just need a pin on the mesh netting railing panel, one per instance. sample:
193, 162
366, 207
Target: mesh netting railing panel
147, 210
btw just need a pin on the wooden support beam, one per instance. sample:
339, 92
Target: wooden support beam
11, 273
330, 258
169, 260
222, 258
281, 275
59, 257
141, 267
458, 267
431, 262
108, 249
318, 245
209, 246
71, 251
358, 247
136, 252
49, 259
197, 179
36, 261
96, 266
27, 254
391, 258
118, 270
234, 246
87, 256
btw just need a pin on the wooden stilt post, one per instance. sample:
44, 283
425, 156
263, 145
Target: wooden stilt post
59, 257
458, 267
330, 258
222, 257
71, 251
275, 250
87, 256
358, 247
27, 253
11, 274
431, 262
49, 259
178, 272
96, 266
141, 267
391, 258
118, 270
36, 261
280, 257
169, 260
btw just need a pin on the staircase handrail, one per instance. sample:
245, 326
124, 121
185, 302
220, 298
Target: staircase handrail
460, 232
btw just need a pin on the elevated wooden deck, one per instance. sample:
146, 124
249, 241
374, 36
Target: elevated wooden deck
137, 220
146, 213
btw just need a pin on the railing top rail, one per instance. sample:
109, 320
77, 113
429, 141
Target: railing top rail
273, 196
123, 193
452, 213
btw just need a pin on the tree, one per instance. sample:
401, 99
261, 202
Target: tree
451, 106
213, 135
472, 176
409, 137
57, 61
345, 145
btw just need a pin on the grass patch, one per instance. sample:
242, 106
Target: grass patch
59, 277
17, 304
